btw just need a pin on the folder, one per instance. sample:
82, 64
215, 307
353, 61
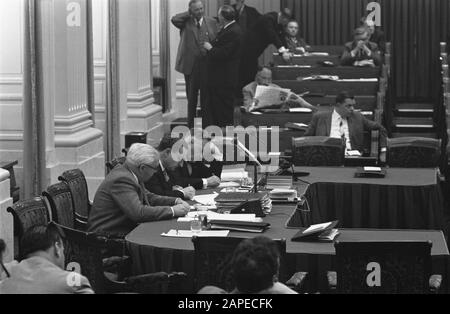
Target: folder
316, 232
242, 226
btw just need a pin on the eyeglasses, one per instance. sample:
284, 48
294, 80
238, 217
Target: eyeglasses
151, 166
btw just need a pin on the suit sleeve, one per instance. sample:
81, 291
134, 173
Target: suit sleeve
232, 43
124, 194
371, 125
248, 97
311, 131
347, 59
180, 20
155, 187
272, 34
376, 56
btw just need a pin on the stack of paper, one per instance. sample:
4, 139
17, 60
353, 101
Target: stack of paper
283, 194
190, 234
234, 174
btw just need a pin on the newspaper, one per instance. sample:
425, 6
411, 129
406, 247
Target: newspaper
268, 96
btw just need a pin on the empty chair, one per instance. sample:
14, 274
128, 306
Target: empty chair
383, 268
318, 151
413, 152
76, 181
27, 214
84, 251
61, 204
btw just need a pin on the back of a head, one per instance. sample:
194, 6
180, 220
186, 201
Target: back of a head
142, 154
227, 12
285, 16
39, 239
255, 264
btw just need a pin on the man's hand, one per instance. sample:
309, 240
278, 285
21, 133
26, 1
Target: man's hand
383, 157
207, 46
189, 192
179, 201
181, 210
286, 56
213, 181
367, 50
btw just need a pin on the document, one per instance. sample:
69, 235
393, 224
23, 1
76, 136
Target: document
302, 110
372, 169
224, 185
315, 228
319, 78
269, 96
353, 153
207, 199
219, 217
190, 234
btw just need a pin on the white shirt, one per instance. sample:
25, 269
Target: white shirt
339, 128
229, 24
199, 22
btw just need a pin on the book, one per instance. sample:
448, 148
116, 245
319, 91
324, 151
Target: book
318, 232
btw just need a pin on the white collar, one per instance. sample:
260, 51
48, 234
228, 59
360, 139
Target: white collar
229, 24
336, 115
199, 21
162, 167
135, 176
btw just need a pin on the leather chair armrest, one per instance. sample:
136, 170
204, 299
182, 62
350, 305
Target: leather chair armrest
435, 283
332, 280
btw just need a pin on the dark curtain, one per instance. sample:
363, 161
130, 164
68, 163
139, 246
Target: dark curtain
34, 122
415, 28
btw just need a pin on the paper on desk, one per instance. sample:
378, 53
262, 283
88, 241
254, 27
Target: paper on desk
216, 216
229, 185
318, 227
234, 176
353, 153
190, 234
305, 110
373, 169
359, 80
207, 199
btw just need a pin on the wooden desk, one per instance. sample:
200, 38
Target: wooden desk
307, 60
343, 72
331, 87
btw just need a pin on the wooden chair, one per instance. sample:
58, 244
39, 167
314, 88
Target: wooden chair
76, 181
27, 214
413, 152
318, 151
213, 262
61, 204
383, 268
110, 165
85, 249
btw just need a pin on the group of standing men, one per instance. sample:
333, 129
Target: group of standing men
220, 56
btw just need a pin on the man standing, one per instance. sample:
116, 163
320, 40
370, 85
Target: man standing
246, 16
195, 30
269, 29
223, 70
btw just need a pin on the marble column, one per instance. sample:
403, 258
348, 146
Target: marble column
136, 73
77, 144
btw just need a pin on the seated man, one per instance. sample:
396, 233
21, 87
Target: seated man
361, 51
294, 43
346, 123
264, 78
255, 266
42, 269
376, 34
122, 202
163, 182
200, 174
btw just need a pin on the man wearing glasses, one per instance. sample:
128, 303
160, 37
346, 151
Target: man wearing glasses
346, 123
122, 201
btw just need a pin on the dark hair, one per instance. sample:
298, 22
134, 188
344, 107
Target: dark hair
39, 238
194, 1
360, 31
263, 67
286, 13
340, 99
255, 262
167, 142
228, 12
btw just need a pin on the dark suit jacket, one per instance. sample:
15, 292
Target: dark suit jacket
189, 48
248, 18
120, 204
321, 126
265, 32
347, 58
223, 58
158, 184
378, 38
199, 171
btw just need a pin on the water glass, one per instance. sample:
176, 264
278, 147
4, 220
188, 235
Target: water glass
196, 225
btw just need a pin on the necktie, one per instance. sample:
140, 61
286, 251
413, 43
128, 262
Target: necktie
166, 175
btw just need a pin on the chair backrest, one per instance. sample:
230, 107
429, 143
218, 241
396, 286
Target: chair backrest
76, 181
383, 267
413, 152
61, 203
318, 151
110, 165
83, 252
27, 214
213, 261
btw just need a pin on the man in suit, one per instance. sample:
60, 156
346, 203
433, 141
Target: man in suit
376, 34
41, 270
122, 202
246, 16
292, 41
264, 78
195, 29
223, 70
269, 29
361, 51
163, 181
343, 122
